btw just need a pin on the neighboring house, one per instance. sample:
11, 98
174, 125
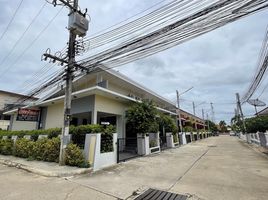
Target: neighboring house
263, 112
189, 119
7, 101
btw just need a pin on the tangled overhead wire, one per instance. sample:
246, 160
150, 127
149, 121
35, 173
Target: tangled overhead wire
167, 26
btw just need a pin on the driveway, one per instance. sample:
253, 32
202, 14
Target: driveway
215, 168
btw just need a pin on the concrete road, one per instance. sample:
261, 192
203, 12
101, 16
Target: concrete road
214, 168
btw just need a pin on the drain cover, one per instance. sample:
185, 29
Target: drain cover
212, 145
152, 194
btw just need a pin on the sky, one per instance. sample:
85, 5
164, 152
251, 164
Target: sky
217, 64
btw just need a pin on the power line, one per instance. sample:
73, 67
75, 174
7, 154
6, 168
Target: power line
23, 34
31, 44
11, 20
212, 15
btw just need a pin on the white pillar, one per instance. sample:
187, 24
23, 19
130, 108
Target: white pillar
169, 138
143, 144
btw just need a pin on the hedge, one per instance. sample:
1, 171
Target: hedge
74, 156
54, 132
48, 149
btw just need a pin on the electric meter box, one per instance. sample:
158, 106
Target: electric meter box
78, 23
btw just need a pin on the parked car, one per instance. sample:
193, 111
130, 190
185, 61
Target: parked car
232, 133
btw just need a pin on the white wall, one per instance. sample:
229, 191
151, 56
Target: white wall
100, 160
22, 125
54, 118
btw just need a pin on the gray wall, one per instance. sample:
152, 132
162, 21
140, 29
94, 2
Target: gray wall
85, 104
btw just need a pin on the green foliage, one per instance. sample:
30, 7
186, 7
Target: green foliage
141, 117
212, 126
39, 149
153, 143
74, 156
107, 143
188, 129
52, 150
223, 126
237, 124
23, 148
6, 147
255, 124
175, 138
168, 123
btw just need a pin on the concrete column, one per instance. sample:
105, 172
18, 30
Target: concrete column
183, 138
169, 138
94, 116
143, 144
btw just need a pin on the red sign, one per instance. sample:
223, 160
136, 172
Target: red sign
27, 114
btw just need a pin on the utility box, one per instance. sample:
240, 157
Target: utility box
78, 23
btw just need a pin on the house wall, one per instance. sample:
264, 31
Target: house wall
109, 105
22, 125
54, 116
85, 104
4, 124
113, 106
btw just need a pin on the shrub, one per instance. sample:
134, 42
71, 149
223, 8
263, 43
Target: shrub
74, 156
107, 142
23, 148
153, 143
141, 117
175, 138
6, 147
52, 150
39, 148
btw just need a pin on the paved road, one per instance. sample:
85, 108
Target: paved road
214, 168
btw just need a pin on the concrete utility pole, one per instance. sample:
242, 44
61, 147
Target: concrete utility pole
178, 102
195, 125
203, 117
78, 25
208, 122
212, 112
179, 110
239, 109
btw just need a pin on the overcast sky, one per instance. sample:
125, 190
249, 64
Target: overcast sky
217, 64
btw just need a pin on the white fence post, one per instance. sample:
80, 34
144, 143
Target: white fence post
143, 144
93, 155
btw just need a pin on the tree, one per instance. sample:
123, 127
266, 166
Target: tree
212, 126
141, 118
223, 127
168, 123
255, 124
237, 124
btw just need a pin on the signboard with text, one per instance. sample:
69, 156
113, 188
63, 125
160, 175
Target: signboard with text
28, 114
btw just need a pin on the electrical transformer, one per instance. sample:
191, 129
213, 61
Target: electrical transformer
78, 23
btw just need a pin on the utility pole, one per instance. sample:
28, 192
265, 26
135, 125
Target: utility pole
179, 110
203, 117
239, 108
212, 112
208, 121
195, 125
78, 25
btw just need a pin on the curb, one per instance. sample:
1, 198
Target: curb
44, 172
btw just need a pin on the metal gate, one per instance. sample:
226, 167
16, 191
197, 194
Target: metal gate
163, 142
126, 149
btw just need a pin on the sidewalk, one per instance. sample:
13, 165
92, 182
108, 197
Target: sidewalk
49, 169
